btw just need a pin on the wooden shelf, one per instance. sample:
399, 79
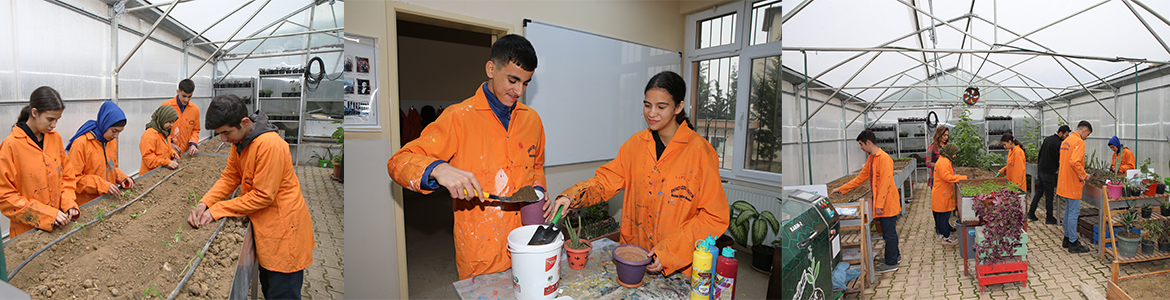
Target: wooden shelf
851, 238
1112, 218
1139, 257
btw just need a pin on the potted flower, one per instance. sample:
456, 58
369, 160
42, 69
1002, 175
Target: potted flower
577, 248
1127, 241
1151, 231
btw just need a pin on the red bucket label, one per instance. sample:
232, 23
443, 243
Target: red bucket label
550, 262
552, 288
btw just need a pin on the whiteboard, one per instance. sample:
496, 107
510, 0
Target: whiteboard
588, 90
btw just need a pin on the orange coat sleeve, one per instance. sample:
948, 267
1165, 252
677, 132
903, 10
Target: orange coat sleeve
265, 186
676, 251
861, 177
606, 182
69, 191
15, 206
195, 129
947, 175
1128, 162
88, 183
884, 179
156, 151
942, 195
407, 166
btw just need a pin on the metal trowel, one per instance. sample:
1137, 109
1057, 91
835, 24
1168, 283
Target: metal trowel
524, 194
548, 232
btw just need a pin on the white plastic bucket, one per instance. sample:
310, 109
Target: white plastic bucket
535, 269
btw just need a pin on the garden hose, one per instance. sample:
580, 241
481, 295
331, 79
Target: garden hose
928, 123
314, 79
198, 258
66, 235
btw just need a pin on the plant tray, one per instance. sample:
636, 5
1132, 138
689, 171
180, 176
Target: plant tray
1012, 271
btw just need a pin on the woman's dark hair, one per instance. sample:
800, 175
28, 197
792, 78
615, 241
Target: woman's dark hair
43, 99
1007, 136
119, 123
673, 84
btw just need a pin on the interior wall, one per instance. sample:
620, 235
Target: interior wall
440, 73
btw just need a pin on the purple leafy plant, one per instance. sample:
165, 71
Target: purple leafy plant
1003, 216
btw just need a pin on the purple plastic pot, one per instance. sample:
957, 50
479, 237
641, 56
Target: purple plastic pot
629, 272
532, 213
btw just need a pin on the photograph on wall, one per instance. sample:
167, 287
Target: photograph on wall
363, 65
348, 89
348, 63
363, 87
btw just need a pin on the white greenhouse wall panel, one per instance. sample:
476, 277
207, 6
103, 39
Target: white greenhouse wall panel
831, 148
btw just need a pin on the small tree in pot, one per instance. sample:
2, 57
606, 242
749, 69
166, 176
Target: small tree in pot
576, 247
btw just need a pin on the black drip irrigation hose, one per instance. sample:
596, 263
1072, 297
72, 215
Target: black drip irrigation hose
67, 234
198, 258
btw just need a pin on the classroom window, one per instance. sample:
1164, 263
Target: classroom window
715, 94
717, 31
765, 22
763, 130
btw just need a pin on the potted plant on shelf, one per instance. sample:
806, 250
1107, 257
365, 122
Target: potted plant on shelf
338, 169
1164, 238
577, 248
1002, 212
748, 223
1127, 241
1147, 211
1151, 232
1165, 211
903, 134
266, 93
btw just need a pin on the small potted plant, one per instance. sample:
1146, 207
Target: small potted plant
1147, 211
577, 248
1165, 209
1164, 238
323, 161
1151, 230
338, 167
1127, 241
903, 134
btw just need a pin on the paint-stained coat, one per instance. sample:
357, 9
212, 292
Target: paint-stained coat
155, 150
942, 195
1072, 167
36, 183
271, 197
1128, 162
880, 168
186, 129
669, 203
95, 166
470, 137
1015, 170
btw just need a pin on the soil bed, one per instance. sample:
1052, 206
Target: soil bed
975, 173
860, 190
1148, 287
209, 146
139, 252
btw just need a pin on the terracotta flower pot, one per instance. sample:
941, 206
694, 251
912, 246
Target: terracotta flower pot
578, 257
631, 261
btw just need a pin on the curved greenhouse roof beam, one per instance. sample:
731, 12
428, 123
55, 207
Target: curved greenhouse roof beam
1025, 37
278, 21
948, 24
220, 48
1015, 50
875, 56
1152, 11
224, 18
872, 103
146, 36
1086, 89
1147, 25
794, 10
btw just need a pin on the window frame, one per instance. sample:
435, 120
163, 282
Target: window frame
746, 52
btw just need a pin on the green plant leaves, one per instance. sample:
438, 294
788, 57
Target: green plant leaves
759, 231
739, 232
743, 206
744, 217
767, 215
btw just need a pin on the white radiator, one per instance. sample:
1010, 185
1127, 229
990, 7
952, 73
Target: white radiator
762, 200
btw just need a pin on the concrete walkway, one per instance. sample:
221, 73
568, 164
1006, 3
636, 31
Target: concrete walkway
930, 270
324, 279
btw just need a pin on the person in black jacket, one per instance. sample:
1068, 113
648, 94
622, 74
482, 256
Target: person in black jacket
1048, 165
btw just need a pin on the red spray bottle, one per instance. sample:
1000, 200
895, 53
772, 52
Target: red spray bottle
723, 288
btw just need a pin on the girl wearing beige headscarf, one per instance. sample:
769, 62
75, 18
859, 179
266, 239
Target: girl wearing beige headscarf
156, 151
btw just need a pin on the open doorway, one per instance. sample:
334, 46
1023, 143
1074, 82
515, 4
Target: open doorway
438, 65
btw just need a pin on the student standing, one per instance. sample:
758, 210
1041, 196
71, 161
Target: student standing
1070, 183
1015, 171
260, 164
488, 143
93, 152
670, 175
156, 152
879, 170
942, 194
184, 136
37, 189
1123, 159
942, 135
1049, 163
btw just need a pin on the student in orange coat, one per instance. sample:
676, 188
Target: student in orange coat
1071, 181
1015, 169
670, 174
184, 136
156, 152
488, 143
270, 195
93, 152
1127, 161
942, 194
37, 186
879, 170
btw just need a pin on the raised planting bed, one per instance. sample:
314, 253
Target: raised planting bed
1149, 286
975, 173
215, 145
860, 190
141, 251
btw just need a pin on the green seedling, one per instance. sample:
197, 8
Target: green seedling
135, 216
151, 292
194, 196
165, 243
128, 194
100, 214
179, 236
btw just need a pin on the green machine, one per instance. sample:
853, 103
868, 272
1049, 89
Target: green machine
810, 242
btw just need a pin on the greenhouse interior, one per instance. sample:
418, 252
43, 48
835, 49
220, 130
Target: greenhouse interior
872, 107
135, 54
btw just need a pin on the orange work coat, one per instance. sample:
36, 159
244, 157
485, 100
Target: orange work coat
879, 167
470, 137
1015, 170
95, 166
942, 195
156, 152
186, 128
271, 198
669, 202
1072, 167
1128, 162
36, 183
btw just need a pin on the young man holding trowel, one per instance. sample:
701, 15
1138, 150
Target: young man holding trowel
488, 143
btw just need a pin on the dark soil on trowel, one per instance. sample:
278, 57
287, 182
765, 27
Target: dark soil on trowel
1148, 287
139, 252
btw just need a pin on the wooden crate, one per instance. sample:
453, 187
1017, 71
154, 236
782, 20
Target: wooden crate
1014, 270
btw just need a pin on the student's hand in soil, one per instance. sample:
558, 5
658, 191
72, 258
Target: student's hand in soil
175, 155
200, 216
73, 213
62, 219
113, 190
127, 183
173, 165
175, 149
460, 183
835, 191
552, 206
192, 151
